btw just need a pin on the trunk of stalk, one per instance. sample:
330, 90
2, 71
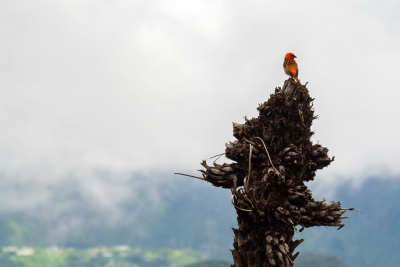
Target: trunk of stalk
272, 158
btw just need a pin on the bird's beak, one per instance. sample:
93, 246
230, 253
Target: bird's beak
294, 56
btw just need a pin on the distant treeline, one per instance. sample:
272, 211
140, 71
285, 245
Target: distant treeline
124, 256
181, 213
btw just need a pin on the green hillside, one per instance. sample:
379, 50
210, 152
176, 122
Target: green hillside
124, 256
180, 213
117, 256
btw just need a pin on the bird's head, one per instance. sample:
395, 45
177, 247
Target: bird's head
290, 56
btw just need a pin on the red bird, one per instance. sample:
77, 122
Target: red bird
290, 66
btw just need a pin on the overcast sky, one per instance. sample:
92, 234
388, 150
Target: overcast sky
125, 86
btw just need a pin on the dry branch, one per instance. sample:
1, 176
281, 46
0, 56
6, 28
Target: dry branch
272, 158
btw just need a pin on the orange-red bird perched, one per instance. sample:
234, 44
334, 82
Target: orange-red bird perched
290, 66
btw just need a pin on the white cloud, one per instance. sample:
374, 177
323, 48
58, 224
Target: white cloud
155, 85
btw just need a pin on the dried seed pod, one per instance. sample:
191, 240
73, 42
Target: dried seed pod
279, 255
329, 218
284, 151
216, 171
269, 250
300, 187
272, 260
256, 151
282, 248
280, 210
293, 197
281, 169
271, 172
286, 247
337, 213
287, 262
227, 169
265, 177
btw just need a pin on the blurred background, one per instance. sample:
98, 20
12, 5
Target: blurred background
102, 101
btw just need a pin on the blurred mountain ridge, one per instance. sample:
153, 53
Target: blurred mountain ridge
159, 210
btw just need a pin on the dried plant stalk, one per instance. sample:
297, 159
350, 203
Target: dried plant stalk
272, 158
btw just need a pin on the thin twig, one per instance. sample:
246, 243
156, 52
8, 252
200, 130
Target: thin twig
197, 177
249, 173
218, 156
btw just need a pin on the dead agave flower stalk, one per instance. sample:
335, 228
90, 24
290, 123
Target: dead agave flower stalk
272, 158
